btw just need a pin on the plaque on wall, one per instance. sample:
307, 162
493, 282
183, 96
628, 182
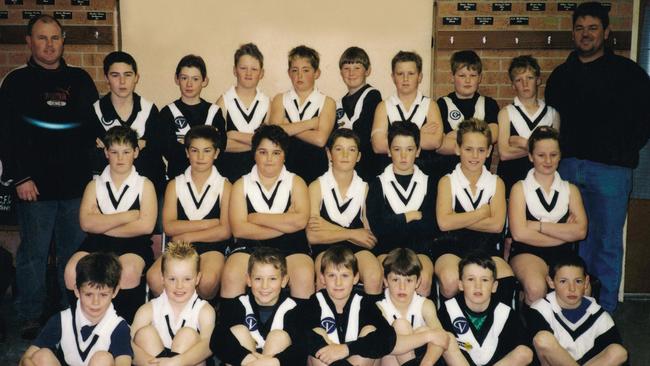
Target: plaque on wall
29, 14
518, 20
535, 6
44, 2
4, 14
80, 2
501, 6
566, 6
63, 14
13, 2
483, 20
451, 20
466, 7
607, 6
96, 15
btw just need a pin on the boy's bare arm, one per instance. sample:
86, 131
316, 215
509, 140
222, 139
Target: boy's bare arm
238, 215
326, 118
496, 220
291, 128
379, 133
26, 360
93, 221
291, 221
201, 350
146, 221
143, 317
432, 130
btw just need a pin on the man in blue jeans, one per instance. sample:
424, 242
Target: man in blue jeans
43, 106
602, 99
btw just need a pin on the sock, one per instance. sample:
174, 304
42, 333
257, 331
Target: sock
127, 302
506, 290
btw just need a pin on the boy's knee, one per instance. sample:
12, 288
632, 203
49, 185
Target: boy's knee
523, 355
43, 356
131, 274
534, 291
185, 338
372, 281
544, 341
208, 287
144, 335
367, 330
101, 358
278, 336
616, 354
402, 326
448, 284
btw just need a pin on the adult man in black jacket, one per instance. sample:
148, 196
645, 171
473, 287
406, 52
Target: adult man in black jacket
602, 100
44, 104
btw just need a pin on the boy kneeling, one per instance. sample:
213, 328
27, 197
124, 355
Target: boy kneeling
570, 328
177, 325
90, 332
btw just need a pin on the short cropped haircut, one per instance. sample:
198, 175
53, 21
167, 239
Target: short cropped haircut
573, 260
542, 133
98, 270
192, 61
523, 63
406, 56
303, 51
119, 56
345, 133
45, 18
251, 50
120, 135
337, 256
481, 260
466, 58
403, 128
354, 55
203, 132
593, 9
403, 262
473, 125
180, 250
266, 255
273, 133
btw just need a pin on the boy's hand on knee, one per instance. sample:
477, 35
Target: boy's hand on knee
332, 353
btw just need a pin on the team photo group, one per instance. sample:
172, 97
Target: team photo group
302, 229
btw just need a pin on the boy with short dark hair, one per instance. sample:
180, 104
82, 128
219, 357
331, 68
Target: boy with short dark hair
90, 332
487, 331
400, 202
123, 107
306, 114
408, 105
463, 103
262, 325
356, 110
570, 328
189, 110
177, 325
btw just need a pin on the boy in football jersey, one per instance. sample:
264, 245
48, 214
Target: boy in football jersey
89, 332
176, 326
570, 328
261, 325
488, 332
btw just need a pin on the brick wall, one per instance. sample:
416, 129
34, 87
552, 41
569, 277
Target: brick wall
88, 56
495, 62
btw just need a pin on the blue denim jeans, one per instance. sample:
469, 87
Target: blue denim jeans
605, 190
40, 222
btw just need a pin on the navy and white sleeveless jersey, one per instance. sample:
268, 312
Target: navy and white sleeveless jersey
413, 314
343, 328
276, 200
345, 211
462, 241
180, 117
245, 119
584, 338
76, 339
306, 160
357, 112
396, 111
244, 310
523, 124
453, 111
111, 199
144, 120
546, 207
167, 324
390, 197
500, 333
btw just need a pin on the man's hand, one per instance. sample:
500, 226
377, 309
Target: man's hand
27, 191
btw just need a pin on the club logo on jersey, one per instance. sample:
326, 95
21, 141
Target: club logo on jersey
251, 322
340, 113
180, 122
461, 325
328, 324
455, 115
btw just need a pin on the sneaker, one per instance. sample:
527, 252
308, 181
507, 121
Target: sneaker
30, 329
